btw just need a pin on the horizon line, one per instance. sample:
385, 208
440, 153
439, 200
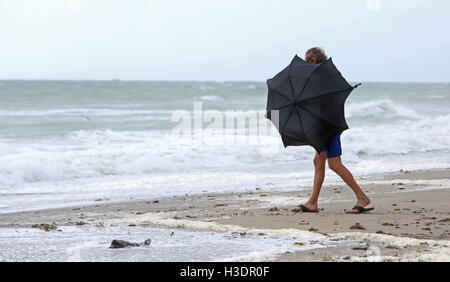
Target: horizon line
193, 80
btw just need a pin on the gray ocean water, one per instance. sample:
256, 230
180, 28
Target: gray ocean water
70, 142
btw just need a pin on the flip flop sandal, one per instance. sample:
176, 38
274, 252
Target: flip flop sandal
358, 209
303, 209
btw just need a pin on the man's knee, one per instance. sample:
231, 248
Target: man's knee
334, 164
319, 162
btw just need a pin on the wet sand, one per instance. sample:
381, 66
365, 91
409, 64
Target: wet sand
410, 221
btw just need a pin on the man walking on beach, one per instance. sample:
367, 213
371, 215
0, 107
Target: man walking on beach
331, 152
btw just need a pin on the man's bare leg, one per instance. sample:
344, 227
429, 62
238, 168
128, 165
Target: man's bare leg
336, 165
319, 175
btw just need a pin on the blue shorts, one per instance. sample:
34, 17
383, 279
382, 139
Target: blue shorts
333, 148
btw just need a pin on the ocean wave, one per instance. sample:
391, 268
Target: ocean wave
203, 88
210, 98
78, 112
402, 137
101, 153
379, 108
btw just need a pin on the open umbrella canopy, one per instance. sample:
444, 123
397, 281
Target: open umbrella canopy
306, 103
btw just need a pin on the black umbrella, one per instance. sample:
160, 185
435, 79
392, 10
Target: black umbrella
306, 103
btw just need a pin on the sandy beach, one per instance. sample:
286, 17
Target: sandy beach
187, 131
410, 221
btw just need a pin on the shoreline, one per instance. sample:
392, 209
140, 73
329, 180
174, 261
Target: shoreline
410, 221
429, 172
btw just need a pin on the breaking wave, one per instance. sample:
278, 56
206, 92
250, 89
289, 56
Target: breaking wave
98, 153
379, 108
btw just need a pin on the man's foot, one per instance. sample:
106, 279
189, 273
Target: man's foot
364, 202
358, 209
305, 208
360, 206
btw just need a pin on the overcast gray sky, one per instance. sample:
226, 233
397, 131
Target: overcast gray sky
375, 40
